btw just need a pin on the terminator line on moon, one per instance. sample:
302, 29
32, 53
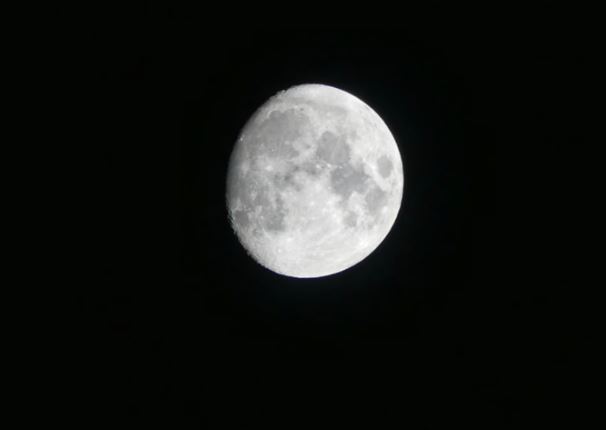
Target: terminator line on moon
314, 183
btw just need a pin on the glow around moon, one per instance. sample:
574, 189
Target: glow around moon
314, 183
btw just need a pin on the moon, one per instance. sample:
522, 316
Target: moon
314, 183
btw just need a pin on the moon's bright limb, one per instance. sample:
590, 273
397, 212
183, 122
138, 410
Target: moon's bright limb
315, 182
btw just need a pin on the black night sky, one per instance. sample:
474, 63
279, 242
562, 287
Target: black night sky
181, 329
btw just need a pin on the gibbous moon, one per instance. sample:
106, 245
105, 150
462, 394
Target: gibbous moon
314, 182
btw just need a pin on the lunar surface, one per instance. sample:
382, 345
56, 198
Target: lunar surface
314, 182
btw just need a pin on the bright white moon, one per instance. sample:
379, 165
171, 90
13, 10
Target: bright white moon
314, 183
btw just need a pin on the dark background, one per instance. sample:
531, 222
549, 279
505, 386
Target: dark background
181, 329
